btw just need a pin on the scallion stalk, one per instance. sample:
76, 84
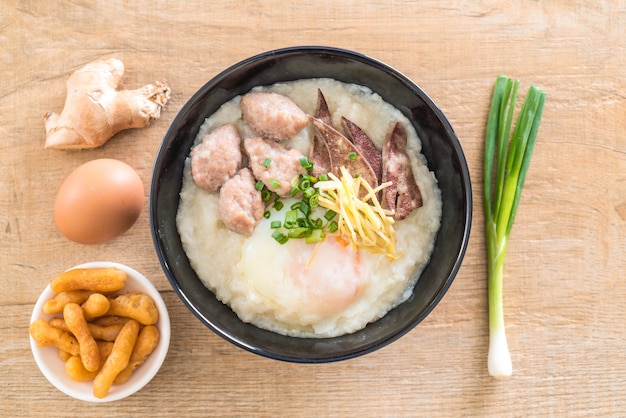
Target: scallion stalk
503, 184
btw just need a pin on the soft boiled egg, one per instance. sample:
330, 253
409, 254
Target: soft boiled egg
99, 201
299, 282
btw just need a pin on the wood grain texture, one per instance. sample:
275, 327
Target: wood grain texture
565, 293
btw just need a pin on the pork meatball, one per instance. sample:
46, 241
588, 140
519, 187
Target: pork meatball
273, 116
217, 158
273, 164
240, 204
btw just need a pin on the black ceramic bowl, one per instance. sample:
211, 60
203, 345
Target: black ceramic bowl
439, 145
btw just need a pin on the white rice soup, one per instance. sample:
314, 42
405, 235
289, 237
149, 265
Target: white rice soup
255, 275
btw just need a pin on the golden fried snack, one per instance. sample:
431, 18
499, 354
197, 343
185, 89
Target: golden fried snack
137, 306
75, 369
147, 341
45, 334
108, 333
64, 355
88, 349
59, 323
117, 360
107, 320
96, 305
102, 280
105, 348
58, 302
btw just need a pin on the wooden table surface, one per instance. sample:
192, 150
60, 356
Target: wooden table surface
565, 290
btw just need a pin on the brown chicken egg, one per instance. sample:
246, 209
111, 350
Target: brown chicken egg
99, 201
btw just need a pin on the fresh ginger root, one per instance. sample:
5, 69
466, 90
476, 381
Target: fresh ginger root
95, 110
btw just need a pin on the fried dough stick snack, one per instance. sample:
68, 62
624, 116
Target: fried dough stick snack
75, 369
74, 365
137, 306
99, 332
45, 334
101, 280
96, 305
147, 341
108, 320
88, 349
117, 360
58, 302
64, 355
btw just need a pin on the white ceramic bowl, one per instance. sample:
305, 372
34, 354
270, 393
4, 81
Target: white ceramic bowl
53, 367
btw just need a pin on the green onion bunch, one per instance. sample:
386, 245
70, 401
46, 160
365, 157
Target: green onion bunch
507, 158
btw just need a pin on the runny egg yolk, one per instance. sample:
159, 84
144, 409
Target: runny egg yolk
305, 282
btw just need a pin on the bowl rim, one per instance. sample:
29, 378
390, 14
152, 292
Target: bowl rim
84, 390
413, 87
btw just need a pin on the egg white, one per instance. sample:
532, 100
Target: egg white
298, 282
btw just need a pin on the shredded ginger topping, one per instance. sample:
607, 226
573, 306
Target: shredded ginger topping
362, 220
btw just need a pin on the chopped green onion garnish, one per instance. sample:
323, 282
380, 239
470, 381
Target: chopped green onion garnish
305, 184
298, 222
357, 175
299, 232
290, 218
266, 195
308, 193
330, 214
352, 156
259, 185
304, 223
267, 162
317, 235
317, 223
274, 183
278, 205
280, 237
266, 214
306, 163
305, 208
